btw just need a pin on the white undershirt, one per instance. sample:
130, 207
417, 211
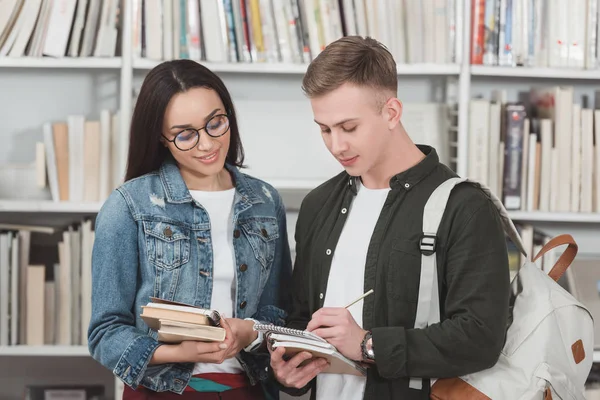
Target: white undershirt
346, 282
219, 206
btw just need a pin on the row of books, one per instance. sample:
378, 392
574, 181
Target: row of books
45, 284
294, 31
549, 33
539, 154
80, 157
57, 28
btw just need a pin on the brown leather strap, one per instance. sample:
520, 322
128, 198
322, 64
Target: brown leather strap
566, 257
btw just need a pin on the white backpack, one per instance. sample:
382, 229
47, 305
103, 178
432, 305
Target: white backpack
549, 345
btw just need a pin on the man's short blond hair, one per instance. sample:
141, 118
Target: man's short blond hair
361, 61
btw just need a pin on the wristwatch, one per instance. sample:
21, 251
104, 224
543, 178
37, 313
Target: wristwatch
368, 353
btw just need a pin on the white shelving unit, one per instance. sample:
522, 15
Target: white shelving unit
247, 84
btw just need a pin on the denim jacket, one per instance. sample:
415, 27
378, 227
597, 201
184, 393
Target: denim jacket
153, 239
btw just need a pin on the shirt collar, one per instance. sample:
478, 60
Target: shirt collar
177, 191
408, 179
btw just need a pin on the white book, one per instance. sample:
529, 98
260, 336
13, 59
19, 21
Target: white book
41, 30
24, 246
576, 24
36, 275
49, 312
11, 35
576, 159
546, 170
213, 31
59, 28
193, 31
591, 56
312, 26
564, 139
459, 30
587, 160
64, 317
269, 31
136, 27
107, 29
177, 22
29, 16
440, 25
76, 124
154, 40
87, 242
554, 180
104, 179
78, 25
350, 18
398, 30
541, 35
415, 32
90, 31
75, 289
532, 138
4, 288
597, 158
168, 30
8, 9
525, 164
479, 110
284, 31
14, 290
51, 161
494, 156
360, 12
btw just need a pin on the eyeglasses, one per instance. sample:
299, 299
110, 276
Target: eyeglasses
187, 139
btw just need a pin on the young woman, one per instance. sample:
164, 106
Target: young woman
188, 226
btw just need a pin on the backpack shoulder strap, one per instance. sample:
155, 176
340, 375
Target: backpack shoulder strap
428, 305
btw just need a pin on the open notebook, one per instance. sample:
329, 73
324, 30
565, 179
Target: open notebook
295, 341
175, 322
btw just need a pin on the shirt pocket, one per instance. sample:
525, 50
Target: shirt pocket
168, 245
404, 271
262, 234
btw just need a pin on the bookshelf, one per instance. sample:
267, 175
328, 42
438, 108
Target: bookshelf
89, 84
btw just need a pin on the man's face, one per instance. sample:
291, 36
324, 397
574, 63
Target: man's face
354, 128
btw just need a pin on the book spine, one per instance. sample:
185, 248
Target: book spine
513, 155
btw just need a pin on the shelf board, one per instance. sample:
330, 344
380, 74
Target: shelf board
539, 216
48, 206
58, 351
66, 62
281, 68
541, 73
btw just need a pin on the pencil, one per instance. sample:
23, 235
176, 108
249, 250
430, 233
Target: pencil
360, 298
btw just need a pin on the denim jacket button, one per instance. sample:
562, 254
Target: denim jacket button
264, 232
243, 304
243, 267
236, 233
168, 232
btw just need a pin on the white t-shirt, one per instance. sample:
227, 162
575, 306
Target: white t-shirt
346, 282
219, 206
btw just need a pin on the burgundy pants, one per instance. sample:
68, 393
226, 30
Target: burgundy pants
245, 393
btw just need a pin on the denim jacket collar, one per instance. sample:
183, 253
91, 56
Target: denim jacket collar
177, 191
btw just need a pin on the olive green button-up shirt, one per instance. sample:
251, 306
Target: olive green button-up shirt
473, 278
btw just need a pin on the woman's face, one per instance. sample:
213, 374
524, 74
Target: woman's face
198, 109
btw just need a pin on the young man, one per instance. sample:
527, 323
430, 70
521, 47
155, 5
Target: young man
361, 230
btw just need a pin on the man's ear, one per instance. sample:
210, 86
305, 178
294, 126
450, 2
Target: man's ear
393, 108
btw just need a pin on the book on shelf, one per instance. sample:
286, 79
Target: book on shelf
59, 28
296, 341
45, 284
294, 31
175, 322
539, 154
80, 155
550, 33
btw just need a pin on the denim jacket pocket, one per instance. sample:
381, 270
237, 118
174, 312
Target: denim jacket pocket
168, 245
262, 234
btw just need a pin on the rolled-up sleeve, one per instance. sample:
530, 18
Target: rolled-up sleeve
114, 341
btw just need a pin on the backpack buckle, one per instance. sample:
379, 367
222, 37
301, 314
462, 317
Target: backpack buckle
427, 245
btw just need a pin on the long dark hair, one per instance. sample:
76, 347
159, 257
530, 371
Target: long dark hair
146, 152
